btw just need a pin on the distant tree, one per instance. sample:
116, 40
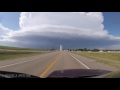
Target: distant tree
88, 49
81, 49
85, 49
96, 50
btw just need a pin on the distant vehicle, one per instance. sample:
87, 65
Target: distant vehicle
70, 73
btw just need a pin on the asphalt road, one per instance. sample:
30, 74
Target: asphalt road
43, 65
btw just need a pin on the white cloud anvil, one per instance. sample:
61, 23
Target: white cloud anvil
71, 29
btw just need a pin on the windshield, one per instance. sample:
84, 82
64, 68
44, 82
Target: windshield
60, 44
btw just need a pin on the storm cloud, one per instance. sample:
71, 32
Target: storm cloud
51, 29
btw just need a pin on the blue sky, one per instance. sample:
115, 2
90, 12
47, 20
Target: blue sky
70, 29
112, 22
10, 19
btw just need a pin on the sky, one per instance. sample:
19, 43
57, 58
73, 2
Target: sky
72, 30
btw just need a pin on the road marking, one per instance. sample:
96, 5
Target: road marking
80, 61
21, 62
50, 66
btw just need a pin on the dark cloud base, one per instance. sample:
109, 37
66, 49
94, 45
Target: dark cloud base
36, 41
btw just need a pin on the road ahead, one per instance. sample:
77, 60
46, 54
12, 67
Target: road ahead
43, 65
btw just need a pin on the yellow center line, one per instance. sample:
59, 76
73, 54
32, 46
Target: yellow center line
50, 66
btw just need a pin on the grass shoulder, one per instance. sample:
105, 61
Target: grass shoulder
8, 55
109, 58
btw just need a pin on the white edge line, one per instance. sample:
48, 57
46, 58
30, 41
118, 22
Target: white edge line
21, 62
80, 61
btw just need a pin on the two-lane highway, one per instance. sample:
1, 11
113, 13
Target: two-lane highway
43, 65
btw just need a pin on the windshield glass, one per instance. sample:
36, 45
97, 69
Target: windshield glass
59, 44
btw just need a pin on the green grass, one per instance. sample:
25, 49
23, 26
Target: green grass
15, 48
109, 58
8, 55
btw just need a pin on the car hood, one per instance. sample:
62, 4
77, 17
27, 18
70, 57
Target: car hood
69, 73
72, 73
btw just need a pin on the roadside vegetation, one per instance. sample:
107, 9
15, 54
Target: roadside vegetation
4, 55
9, 53
14, 48
110, 58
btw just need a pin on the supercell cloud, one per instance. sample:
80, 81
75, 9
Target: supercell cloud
51, 29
